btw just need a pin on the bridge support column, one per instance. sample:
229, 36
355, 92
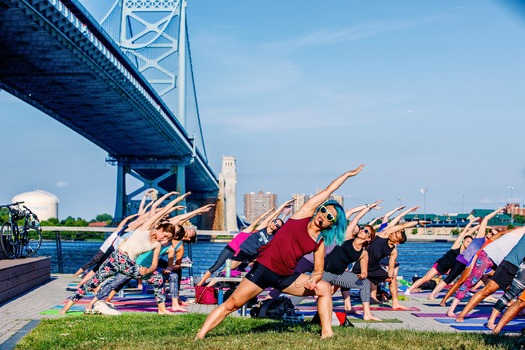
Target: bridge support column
121, 202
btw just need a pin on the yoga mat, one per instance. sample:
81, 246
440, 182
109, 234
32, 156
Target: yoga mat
55, 312
472, 328
478, 321
385, 320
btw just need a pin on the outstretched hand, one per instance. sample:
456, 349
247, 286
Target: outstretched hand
356, 170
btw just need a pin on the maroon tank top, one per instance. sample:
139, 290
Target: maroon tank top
288, 247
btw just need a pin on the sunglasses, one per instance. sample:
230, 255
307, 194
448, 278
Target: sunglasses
329, 216
365, 230
276, 223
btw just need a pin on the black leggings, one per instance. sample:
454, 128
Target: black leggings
456, 270
226, 253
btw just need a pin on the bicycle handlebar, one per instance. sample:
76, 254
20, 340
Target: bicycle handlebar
11, 205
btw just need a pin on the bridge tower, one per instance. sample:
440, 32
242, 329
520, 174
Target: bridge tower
154, 37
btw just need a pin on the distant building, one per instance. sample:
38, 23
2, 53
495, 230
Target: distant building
226, 212
256, 204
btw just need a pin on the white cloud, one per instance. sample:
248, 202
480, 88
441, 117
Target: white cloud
62, 184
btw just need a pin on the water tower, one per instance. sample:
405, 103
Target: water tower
42, 203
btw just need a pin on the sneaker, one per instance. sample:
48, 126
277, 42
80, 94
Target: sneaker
91, 312
104, 309
407, 292
110, 304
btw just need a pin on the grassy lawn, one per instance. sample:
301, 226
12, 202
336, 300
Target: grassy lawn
141, 332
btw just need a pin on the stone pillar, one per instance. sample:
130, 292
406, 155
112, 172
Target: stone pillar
228, 182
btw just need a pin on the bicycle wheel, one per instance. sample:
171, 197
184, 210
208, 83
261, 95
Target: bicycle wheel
9, 245
33, 240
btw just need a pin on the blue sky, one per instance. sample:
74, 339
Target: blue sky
427, 94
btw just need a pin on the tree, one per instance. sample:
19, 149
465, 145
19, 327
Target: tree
108, 219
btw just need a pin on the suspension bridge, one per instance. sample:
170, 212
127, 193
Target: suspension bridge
124, 83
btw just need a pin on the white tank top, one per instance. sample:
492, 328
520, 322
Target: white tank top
139, 242
499, 249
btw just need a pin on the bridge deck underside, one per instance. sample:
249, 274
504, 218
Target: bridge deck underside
58, 71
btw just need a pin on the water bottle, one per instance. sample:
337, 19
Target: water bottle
192, 281
220, 297
228, 267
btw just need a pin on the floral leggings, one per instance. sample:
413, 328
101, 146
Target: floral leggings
481, 264
120, 262
516, 287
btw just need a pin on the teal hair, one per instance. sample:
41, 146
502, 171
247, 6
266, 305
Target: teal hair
336, 233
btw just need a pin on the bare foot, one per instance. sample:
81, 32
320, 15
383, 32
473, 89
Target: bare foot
460, 319
371, 318
451, 314
179, 309
165, 312
399, 307
443, 303
490, 325
431, 297
183, 303
327, 335
62, 312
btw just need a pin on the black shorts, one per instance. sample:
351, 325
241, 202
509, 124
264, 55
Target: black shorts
504, 274
442, 270
377, 276
263, 277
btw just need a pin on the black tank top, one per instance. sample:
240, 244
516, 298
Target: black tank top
447, 260
377, 250
338, 260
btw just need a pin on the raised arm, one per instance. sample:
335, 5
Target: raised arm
153, 210
390, 213
466, 229
180, 219
149, 192
256, 222
311, 205
159, 214
403, 226
275, 214
351, 226
401, 215
483, 225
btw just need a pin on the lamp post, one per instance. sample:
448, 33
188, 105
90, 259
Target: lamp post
400, 199
424, 192
511, 205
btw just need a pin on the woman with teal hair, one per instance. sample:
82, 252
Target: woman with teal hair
337, 232
317, 222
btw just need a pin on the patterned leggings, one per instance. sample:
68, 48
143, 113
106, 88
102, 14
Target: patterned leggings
120, 262
174, 285
481, 264
346, 280
516, 287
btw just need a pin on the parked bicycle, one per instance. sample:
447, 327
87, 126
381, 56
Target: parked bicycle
21, 236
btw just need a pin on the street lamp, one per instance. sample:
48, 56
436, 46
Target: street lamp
424, 192
400, 199
511, 205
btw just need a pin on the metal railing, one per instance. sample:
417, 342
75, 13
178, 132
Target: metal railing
213, 235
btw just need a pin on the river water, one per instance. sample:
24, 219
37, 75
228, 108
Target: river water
414, 257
